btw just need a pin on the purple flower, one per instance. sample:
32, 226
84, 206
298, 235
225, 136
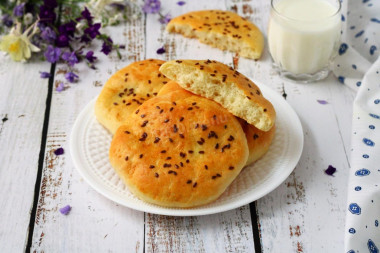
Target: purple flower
330, 170
70, 58
165, 19
44, 74
67, 28
7, 20
60, 87
180, 3
65, 210
161, 50
90, 56
152, 6
71, 77
18, 11
93, 30
59, 151
87, 15
48, 34
107, 46
322, 102
52, 54
62, 40
47, 13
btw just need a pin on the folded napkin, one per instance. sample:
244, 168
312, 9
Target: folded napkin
358, 66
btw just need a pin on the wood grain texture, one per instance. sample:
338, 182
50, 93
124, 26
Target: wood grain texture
224, 232
305, 213
94, 223
22, 108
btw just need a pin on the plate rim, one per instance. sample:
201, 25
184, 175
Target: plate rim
85, 117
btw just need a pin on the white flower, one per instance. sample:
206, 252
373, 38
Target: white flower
28, 18
97, 6
18, 44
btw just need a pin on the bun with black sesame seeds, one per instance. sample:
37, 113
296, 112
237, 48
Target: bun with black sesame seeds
258, 141
170, 155
215, 80
222, 29
126, 90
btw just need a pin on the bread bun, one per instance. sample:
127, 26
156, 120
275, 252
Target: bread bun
126, 90
179, 150
258, 141
222, 29
223, 84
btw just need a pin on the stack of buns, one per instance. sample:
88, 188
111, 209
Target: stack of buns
183, 129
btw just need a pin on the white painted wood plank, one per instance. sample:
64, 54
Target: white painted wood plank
22, 109
224, 232
306, 213
95, 224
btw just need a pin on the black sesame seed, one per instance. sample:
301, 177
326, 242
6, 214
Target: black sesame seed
212, 134
231, 138
156, 175
174, 103
196, 126
225, 126
171, 140
187, 161
201, 152
224, 78
204, 127
194, 103
255, 136
258, 92
189, 182
181, 163
144, 123
231, 167
171, 109
217, 146
142, 115
190, 151
161, 111
156, 140
182, 154
214, 117
176, 166
115, 103
137, 111
182, 136
126, 158
158, 107
167, 165
213, 177
175, 128
178, 61
141, 156
190, 108
181, 119
195, 185
168, 158
265, 109
163, 151
166, 121
218, 175
206, 167
151, 166
127, 132
172, 172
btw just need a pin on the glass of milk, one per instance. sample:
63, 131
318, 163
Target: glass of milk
303, 37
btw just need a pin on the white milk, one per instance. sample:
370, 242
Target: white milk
303, 35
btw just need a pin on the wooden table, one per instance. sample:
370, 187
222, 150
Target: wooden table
306, 213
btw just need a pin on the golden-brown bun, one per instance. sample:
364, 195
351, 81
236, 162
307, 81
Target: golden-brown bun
222, 29
258, 141
126, 90
179, 150
223, 84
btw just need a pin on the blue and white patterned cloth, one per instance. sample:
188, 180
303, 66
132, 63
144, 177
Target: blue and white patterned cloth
358, 66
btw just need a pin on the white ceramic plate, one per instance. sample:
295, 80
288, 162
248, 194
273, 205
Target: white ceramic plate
90, 142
